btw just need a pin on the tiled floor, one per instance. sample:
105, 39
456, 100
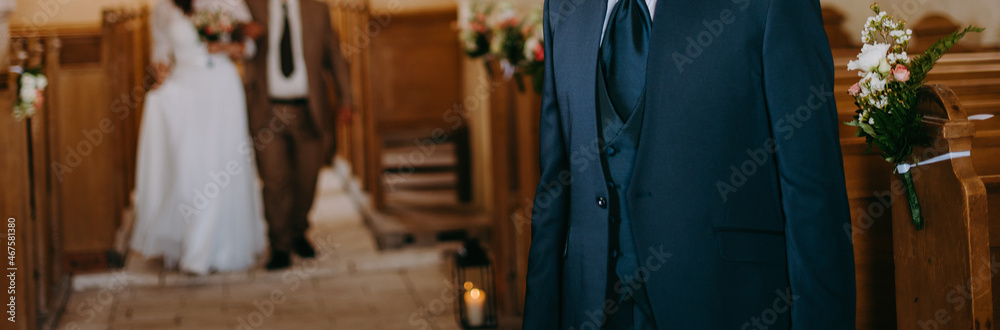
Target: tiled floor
350, 285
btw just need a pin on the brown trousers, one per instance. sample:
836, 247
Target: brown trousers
289, 156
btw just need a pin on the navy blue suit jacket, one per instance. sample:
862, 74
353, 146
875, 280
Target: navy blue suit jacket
738, 198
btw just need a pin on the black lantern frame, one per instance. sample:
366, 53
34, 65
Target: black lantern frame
473, 270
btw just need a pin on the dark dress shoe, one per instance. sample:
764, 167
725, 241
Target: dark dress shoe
302, 248
279, 260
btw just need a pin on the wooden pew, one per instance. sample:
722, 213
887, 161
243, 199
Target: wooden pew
515, 150
125, 34
943, 272
42, 283
350, 19
415, 76
975, 77
98, 78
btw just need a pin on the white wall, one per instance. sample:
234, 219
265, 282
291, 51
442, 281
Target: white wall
984, 13
47, 13
42, 13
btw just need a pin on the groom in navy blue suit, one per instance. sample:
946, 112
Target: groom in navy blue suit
691, 173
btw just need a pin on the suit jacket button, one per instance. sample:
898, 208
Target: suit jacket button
612, 151
602, 202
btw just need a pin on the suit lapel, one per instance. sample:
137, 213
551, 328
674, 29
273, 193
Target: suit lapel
576, 36
577, 23
307, 19
263, 9
667, 14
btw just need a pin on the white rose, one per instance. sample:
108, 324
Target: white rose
870, 58
28, 94
529, 48
41, 82
28, 81
883, 66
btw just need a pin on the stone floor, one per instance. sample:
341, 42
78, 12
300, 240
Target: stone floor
350, 285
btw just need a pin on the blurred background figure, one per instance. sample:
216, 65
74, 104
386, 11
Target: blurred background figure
287, 98
197, 200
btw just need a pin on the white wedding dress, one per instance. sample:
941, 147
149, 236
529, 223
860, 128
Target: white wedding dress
197, 201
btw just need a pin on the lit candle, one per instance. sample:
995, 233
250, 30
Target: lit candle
475, 302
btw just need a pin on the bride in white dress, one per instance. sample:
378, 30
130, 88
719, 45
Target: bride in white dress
198, 202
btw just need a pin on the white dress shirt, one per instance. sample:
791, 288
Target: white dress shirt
651, 4
297, 84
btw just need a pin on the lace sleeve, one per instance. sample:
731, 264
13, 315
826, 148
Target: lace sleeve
163, 13
240, 10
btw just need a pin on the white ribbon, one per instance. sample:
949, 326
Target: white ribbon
903, 168
508, 69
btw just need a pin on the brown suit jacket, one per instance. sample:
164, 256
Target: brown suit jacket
326, 67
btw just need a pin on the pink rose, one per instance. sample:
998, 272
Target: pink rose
854, 90
901, 73
39, 99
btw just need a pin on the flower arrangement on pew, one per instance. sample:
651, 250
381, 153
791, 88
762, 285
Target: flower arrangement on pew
497, 32
31, 85
886, 95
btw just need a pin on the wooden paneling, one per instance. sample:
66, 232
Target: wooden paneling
82, 127
84, 49
415, 81
356, 140
415, 71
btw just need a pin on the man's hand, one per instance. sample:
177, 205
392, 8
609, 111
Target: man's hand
253, 30
162, 70
345, 114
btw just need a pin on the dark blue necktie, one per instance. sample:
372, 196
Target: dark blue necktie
623, 54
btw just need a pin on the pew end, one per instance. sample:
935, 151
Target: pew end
942, 270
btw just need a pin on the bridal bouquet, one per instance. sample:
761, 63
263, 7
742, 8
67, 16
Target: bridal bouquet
475, 33
534, 53
499, 32
214, 25
886, 95
30, 93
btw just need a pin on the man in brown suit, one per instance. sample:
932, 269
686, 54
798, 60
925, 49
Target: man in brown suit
297, 61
